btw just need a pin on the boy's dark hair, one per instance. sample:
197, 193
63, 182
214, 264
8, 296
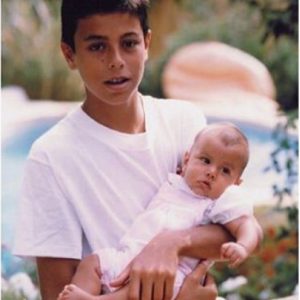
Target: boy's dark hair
74, 10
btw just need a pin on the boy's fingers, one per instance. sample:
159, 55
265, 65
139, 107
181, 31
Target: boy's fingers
146, 290
211, 285
134, 288
201, 269
169, 285
210, 281
158, 292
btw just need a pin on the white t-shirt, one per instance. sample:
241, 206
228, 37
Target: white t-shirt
84, 183
174, 207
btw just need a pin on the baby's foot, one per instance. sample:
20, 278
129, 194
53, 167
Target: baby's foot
73, 292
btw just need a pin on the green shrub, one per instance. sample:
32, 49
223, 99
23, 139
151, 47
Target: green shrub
11, 295
30, 51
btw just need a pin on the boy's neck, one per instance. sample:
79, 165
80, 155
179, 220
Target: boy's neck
127, 118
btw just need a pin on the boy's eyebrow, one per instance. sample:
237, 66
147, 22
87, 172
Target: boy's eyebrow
95, 37
129, 34
102, 37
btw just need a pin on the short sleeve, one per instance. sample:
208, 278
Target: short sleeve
47, 225
193, 122
232, 204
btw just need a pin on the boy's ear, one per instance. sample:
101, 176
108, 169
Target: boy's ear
186, 158
68, 54
147, 40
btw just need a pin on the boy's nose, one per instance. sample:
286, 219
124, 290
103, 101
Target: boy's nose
115, 60
115, 65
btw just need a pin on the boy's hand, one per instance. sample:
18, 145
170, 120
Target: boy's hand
234, 252
192, 289
152, 272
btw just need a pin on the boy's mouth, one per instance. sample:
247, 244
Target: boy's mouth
116, 80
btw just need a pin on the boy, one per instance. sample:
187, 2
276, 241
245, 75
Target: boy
203, 193
120, 160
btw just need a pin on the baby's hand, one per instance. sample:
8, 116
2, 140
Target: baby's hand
234, 252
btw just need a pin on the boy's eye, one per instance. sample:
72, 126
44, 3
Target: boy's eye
129, 44
97, 47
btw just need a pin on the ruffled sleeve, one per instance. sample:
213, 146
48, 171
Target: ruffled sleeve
233, 204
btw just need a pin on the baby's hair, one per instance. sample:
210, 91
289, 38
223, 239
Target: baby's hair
229, 135
74, 10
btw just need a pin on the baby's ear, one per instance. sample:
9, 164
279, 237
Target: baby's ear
238, 181
185, 160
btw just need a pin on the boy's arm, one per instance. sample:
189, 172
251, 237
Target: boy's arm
154, 269
203, 242
54, 274
191, 288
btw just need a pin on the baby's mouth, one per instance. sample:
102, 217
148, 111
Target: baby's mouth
206, 184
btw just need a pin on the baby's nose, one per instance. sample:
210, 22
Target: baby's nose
211, 173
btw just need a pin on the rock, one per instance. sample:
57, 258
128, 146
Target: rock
223, 81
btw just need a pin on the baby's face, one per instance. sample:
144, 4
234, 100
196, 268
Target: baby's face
211, 166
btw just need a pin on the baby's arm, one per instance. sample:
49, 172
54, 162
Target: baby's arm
248, 235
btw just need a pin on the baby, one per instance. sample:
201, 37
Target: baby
205, 192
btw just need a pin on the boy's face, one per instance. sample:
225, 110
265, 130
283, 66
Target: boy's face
212, 166
110, 54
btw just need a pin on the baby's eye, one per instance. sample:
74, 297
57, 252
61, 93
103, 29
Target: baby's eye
226, 171
97, 47
129, 44
205, 160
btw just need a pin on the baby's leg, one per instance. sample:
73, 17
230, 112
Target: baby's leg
86, 281
73, 292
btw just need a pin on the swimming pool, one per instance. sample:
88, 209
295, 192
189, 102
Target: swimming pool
16, 148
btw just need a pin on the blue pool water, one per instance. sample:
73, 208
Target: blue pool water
16, 148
